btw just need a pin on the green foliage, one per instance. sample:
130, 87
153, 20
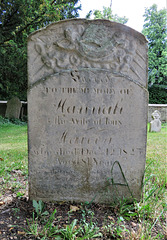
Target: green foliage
120, 229
158, 94
126, 209
20, 194
107, 14
18, 18
89, 231
116, 231
39, 208
70, 231
155, 30
46, 229
11, 121
21, 17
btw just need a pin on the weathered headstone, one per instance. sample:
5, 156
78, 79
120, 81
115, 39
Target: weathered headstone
87, 107
13, 108
155, 124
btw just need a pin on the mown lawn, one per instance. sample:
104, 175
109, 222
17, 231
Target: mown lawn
156, 160
13, 148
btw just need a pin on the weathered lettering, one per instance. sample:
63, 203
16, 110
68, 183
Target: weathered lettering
87, 109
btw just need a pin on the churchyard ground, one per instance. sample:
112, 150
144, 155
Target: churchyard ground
24, 219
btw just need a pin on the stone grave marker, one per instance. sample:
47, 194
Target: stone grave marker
13, 108
87, 111
155, 124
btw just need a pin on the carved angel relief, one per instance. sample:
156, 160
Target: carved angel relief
92, 47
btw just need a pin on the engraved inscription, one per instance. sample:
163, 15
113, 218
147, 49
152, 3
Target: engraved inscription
83, 121
63, 107
87, 105
86, 152
73, 90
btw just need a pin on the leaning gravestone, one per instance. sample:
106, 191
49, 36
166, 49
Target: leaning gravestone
13, 108
87, 107
155, 124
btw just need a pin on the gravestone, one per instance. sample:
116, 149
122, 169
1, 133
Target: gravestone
155, 124
87, 111
13, 108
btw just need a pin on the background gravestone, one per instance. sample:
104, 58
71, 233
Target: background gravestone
87, 111
155, 124
13, 108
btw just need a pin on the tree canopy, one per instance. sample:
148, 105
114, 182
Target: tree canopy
107, 14
18, 18
155, 30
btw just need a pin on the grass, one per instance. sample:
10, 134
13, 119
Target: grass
156, 154
148, 213
13, 147
13, 153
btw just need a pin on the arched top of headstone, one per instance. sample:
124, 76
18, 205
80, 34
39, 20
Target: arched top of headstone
13, 108
156, 114
72, 45
87, 111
